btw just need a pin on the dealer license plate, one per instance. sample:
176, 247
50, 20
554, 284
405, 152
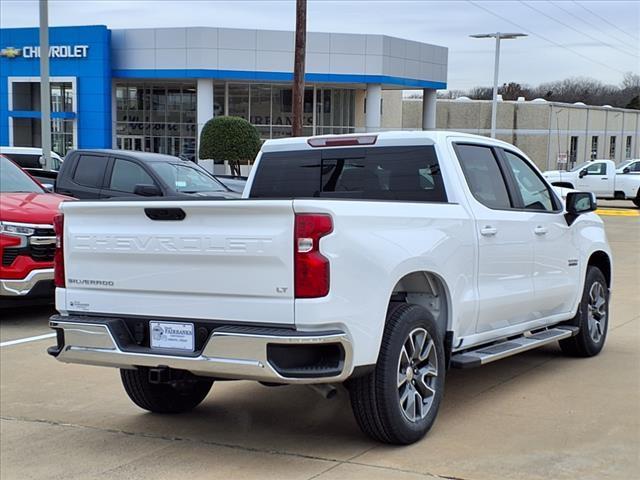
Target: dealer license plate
178, 336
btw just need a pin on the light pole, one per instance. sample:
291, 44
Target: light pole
45, 92
498, 36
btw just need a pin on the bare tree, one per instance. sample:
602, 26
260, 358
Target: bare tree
630, 80
571, 90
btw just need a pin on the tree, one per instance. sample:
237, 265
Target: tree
511, 91
570, 90
231, 139
631, 80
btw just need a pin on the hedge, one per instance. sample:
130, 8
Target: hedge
229, 138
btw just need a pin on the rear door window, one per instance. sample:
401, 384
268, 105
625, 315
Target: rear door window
90, 170
483, 175
382, 173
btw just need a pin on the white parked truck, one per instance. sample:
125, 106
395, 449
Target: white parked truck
374, 260
601, 178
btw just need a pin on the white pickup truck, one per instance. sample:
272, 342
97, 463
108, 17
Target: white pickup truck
601, 178
377, 261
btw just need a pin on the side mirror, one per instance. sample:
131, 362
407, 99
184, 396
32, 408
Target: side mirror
147, 190
579, 203
626, 170
48, 187
582, 173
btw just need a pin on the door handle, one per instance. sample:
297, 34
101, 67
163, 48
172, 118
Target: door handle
540, 230
488, 231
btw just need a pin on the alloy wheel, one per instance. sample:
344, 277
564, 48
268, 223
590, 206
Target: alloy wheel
597, 311
417, 373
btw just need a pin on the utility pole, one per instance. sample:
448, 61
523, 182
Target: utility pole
45, 91
298, 68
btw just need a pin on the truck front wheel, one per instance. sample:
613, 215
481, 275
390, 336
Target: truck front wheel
398, 401
181, 393
592, 317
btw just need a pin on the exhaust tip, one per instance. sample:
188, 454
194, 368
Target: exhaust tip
326, 390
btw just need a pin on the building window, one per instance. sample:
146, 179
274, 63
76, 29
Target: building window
594, 147
627, 147
61, 135
612, 147
573, 150
268, 107
25, 96
239, 100
157, 117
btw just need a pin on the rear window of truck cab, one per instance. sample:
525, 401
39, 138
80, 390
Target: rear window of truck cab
410, 173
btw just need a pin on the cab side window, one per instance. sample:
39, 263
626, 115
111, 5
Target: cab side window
90, 171
483, 175
597, 169
535, 194
126, 175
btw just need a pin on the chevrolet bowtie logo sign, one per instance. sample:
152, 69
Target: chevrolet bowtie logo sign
11, 52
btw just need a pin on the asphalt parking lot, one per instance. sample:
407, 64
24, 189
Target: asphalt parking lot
536, 415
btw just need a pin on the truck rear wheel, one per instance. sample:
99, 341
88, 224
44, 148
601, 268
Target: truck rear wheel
637, 201
592, 317
398, 401
181, 394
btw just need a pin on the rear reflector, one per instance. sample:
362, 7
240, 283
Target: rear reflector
58, 257
345, 141
311, 267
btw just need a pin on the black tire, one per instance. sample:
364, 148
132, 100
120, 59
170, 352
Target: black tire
636, 201
178, 396
589, 341
376, 397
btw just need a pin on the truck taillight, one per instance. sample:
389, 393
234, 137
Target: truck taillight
58, 258
311, 267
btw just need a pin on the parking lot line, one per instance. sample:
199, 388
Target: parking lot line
618, 213
28, 339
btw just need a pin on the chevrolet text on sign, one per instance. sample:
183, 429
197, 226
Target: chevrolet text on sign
58, 51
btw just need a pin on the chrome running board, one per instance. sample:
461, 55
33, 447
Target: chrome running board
491, 353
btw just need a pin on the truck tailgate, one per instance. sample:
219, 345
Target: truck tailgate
225, 260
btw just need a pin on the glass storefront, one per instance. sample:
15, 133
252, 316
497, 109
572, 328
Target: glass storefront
157, 117
161, 116
268, 107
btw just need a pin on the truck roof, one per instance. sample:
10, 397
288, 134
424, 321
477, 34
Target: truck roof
133, 154
386, 138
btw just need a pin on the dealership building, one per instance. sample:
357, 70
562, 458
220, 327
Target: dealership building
154, 89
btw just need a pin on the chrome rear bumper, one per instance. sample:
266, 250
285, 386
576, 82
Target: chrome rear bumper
229, 352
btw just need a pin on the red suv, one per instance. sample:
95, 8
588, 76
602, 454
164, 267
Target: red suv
27, 240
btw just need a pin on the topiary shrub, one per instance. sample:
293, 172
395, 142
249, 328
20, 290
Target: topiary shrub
229, 138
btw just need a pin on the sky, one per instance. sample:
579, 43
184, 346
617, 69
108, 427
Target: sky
596, 39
